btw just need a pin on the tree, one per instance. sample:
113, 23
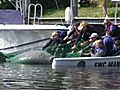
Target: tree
103, 4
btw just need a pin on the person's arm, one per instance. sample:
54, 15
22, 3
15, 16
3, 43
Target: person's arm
79, 37
47, 44
71, 32
85, 43
77, 40
100, 53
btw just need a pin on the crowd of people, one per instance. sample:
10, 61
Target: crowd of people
105, 45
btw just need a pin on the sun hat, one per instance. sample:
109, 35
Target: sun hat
93, 35
82, 24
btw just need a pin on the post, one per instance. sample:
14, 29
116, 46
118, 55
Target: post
25, 4
74, 8
116, 1
116, 13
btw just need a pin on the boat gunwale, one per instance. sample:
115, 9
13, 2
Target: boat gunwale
86, 58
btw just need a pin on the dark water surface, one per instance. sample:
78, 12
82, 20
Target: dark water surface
42, 77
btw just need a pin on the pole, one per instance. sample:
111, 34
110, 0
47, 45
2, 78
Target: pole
74, 8
116, 13
25, 4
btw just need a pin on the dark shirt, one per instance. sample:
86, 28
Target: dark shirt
62, 34
108, 43
82, 34
52, 42
114, 29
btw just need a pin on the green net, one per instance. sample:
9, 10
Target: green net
64, 50
3, 57
68, 55
75, 53
60, 50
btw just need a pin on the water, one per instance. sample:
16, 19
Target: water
42, 77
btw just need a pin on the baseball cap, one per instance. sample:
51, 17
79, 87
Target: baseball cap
93, 35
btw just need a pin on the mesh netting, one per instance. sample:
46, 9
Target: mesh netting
64, 50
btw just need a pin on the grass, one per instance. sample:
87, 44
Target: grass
95, 12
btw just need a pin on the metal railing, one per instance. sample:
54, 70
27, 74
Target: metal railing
36, 16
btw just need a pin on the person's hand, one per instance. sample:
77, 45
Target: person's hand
73, 47
80, 52
81, 44
65, 38
68, 42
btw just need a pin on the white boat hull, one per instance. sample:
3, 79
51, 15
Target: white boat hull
15, 38
112, 61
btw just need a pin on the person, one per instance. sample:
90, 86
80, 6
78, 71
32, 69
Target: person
117, 47
81, 31
54, 40
108, 42
62, 34
109, 26
99, 50
92, 38
71, 33
90, 44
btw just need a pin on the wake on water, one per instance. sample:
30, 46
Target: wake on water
26, 48
31, 57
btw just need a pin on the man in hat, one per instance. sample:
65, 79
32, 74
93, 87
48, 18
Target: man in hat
98, 51
81, 31
92, 38
109, 26
90, 44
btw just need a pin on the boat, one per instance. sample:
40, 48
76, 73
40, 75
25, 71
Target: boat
86, 61
112, 61
24, 37
65, 59
18, 36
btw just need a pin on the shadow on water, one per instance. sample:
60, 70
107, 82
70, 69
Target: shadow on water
42, 77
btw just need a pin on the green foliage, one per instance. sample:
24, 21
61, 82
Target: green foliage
95, 12
47, 4
54, 13
90, 12
6, 5
111, 12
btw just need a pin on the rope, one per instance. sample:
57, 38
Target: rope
25, 44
